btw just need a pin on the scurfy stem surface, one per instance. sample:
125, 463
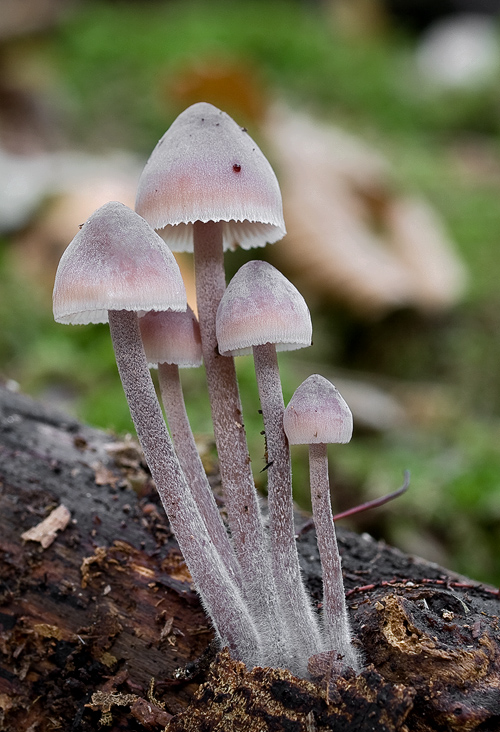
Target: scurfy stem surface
294, 600
186, 451
245, 521
335, 619
219, 594
366, 506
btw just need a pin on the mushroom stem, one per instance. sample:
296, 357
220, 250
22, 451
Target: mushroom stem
301, 620
187, 453
218, 592
335, 619
242, 506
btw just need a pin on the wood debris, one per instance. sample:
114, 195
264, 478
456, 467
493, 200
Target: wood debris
46, 531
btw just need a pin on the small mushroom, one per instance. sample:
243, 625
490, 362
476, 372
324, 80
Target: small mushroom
317, 415
208, 187
172, 340
206, 168
116, 266
99, 272
261, 311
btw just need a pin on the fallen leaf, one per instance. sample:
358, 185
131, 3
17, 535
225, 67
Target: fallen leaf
46, 531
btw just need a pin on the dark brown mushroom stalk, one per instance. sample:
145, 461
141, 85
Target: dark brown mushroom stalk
261, 311
171, 341
208, 187
115, 267
316, 416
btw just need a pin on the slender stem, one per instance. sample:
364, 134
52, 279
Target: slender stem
335, 619
186, 451
366, 506
245, 521
219, 594
294, 600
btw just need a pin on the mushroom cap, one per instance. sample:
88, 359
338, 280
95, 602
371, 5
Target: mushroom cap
317, 413
170, 337
261, 306
207, 168
115, 262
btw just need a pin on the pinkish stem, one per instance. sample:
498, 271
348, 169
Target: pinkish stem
301, 620
218, 592
245, 521
335, 619
366, 506
186, 451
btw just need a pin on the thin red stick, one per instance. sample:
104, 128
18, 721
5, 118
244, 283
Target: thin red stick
363, 506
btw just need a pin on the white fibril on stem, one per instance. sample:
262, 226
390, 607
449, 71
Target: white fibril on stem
316, 416
208, 188
115, 267
217, 590
261, 311
236, 475
172, 340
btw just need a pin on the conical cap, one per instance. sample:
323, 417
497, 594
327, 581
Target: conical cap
115, 262
207, 168
261, 306
317, 413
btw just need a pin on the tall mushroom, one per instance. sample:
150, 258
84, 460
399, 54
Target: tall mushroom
261, 311
208, 187
317, 415
172, 340
115, 267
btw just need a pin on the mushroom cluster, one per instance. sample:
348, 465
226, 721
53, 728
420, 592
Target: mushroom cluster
206, 188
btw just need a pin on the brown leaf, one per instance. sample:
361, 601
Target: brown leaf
46, 531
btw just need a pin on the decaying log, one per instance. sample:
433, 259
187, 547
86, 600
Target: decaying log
100, 627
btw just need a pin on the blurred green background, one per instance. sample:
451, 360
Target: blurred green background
104, 76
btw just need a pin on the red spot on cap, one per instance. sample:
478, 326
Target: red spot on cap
236, 167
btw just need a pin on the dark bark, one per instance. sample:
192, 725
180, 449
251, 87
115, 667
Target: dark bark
88, 621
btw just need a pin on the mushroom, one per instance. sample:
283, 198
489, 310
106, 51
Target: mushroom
317, 415
262, 311
206, 168
115, 267
172, 340
207, 186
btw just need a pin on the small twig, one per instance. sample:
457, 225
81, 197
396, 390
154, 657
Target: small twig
375, 503
427, 581
464, 585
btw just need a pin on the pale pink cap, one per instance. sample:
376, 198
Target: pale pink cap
317, 414
171, 338
207, 168
261, 306
115, 262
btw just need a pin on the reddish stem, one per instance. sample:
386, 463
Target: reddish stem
335, 619
219, 594
245, 521
186, 451
375, 503
300, 618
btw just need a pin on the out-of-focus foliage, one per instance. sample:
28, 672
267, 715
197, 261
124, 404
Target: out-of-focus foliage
118, 61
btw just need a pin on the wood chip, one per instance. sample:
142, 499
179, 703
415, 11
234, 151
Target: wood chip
46, 531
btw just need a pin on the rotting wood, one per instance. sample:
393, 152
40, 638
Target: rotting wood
87, 622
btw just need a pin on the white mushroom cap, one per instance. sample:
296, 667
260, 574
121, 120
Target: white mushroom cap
317, 414
207, 168
115, 262
261, 306
172, 338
